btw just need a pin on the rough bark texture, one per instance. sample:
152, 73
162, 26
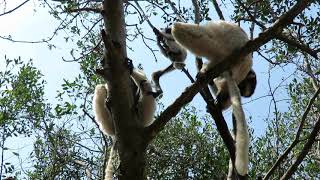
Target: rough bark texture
129, 137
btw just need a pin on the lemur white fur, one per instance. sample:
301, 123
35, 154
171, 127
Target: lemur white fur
146, 108
219, 88
215, 41
230, 166
242, 135
102, 113
146, 103
109, 171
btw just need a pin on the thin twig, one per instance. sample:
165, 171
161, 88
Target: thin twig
94, 10
250, 15
175, 10
298, 45
10, 11
95, 122
296, 139
306, 148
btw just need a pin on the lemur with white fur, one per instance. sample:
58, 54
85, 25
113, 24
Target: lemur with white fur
171, 50
177, 55
146, 104
146, 107
215, 41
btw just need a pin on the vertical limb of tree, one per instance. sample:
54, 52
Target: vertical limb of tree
306, 148
128, 131
113, 16
218, 118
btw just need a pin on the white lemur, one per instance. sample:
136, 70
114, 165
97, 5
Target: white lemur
177, 55
215, 41
170, 49
146, 104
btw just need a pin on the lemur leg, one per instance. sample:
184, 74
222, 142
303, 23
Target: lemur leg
156, 77
242, 135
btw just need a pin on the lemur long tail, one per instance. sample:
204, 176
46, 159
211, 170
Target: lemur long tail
242, 135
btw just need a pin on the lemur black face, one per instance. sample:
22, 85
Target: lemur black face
248, 85
167, 30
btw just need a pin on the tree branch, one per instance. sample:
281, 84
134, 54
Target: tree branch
306, 148
175, 10
298, 45
252, 17
196, 11
95, 10
218, 118
114, 22
282, 36
87, 169
218, 10
296, 139
10, 11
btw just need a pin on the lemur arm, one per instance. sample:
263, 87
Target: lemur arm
156, 77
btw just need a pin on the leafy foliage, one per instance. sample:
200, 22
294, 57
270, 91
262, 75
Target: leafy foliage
188, 148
